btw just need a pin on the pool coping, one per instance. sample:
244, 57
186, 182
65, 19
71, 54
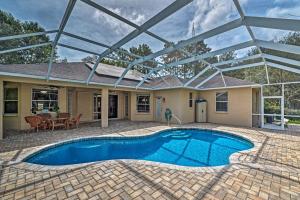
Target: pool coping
233, 159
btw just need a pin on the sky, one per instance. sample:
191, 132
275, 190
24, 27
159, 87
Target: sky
202, 14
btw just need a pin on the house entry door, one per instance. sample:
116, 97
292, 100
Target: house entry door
113, 106
126, 106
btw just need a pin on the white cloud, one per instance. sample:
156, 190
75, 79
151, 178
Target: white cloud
284, 12
211, 13
277, 12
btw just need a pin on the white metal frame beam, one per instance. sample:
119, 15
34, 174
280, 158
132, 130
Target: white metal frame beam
172, 8
279, 47
279, 66
20, 36
208, 54
248, 21
197, 76
207, 79
241, 12
26, 47
122, 19
281, 59
221, 29
97, 54
243, 66
63, 23
105, 46
273, 23
237, 60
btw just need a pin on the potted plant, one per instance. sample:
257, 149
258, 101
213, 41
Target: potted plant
56, 110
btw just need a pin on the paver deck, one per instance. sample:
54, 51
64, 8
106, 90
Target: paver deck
270, 172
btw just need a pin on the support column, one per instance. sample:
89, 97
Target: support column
63, 99
104, 107
1, 109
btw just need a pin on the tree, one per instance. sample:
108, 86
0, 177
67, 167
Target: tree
227, 56
277, 75
143, 50
12, 26
89, 59
189, 69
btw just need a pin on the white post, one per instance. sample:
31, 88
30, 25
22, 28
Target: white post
282, 107
1, 108
262, 107
104, 107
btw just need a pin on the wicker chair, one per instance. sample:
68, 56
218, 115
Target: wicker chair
45, 117
74, 122
35, 122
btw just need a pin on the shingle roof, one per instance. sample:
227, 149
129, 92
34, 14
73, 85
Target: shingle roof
217, 81
108, 74
78, 71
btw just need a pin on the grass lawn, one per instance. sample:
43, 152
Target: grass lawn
294, 121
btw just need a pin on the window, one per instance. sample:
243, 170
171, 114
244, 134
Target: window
191, 100
222, 101
46, 100
10, 100
143, 103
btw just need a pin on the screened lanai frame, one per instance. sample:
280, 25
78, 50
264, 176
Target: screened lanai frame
242, 21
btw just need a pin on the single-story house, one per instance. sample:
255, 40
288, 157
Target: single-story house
25, 91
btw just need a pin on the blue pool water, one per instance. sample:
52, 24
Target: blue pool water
186, 147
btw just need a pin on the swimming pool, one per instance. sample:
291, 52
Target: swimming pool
185, 147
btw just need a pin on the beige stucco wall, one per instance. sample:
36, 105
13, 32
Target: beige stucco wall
239, 107
178, 101
85, 105
63, 99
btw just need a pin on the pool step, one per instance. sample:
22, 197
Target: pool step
181, 136
178, 136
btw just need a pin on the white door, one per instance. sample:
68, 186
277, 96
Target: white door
158, 109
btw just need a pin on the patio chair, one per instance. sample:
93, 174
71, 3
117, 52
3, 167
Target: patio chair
75, 121
36, 123
45, 117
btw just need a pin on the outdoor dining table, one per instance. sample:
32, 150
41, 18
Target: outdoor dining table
59, 122
62, 120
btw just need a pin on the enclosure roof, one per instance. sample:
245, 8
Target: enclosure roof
241, 21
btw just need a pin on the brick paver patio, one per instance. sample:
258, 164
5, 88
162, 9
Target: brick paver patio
272, 171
